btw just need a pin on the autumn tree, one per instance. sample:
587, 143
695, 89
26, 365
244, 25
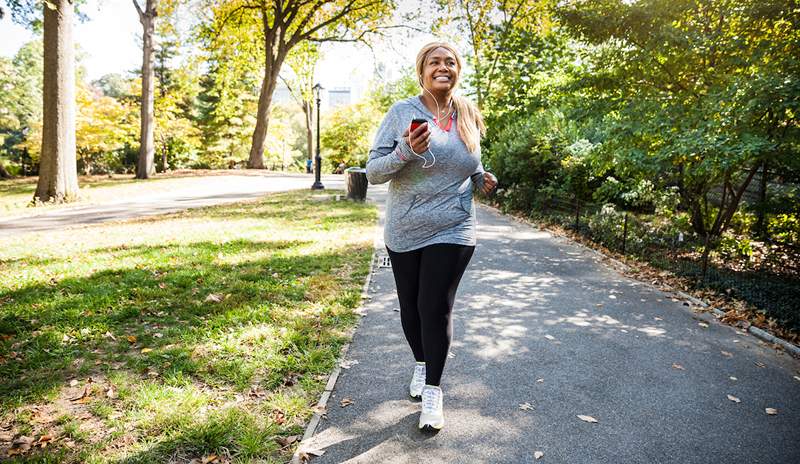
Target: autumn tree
302, 61
283, 25
487, 25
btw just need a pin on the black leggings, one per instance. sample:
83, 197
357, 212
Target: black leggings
426, 281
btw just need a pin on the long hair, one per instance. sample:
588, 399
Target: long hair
470, 122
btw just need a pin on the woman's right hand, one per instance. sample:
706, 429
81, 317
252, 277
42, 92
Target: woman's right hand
419, 139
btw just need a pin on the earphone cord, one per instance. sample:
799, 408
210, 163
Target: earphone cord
438, 113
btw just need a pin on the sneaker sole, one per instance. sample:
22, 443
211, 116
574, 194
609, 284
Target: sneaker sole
431, 428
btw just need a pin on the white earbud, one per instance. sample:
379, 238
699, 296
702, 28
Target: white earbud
438, 116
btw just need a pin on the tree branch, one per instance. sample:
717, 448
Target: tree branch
139, 11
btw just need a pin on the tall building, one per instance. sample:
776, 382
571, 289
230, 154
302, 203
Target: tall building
339, 96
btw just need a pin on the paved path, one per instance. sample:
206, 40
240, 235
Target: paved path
532, 306
205, 191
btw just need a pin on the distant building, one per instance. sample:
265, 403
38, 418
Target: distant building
339, 96
282, 94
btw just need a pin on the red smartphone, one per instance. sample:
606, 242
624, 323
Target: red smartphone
416, 122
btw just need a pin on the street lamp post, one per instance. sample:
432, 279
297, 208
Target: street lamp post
318, 166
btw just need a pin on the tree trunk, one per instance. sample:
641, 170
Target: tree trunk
145, 166
58, 171
761, 225
256, 160
308, 109
3, 173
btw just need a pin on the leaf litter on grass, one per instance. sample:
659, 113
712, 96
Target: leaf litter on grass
145, 292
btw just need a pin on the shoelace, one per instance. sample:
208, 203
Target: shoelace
419, 373
430, 399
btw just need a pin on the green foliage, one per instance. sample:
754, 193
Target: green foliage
384, 94
347, 134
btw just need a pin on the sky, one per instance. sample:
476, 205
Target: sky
110, 41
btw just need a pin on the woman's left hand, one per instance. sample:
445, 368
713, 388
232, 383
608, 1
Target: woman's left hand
489, 182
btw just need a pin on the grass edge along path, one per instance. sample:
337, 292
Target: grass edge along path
205, 334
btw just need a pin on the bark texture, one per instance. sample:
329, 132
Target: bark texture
145, 166
58, 173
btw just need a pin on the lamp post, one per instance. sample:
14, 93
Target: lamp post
318, 165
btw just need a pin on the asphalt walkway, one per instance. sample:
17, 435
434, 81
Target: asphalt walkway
546, 331
201, 191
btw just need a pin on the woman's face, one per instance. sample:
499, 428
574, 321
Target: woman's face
440, 70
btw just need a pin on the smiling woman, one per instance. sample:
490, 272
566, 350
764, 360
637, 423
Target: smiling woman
430, 218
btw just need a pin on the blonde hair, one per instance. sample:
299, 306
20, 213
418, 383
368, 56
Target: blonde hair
469, 121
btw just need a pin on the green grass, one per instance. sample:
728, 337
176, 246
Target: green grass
207, 331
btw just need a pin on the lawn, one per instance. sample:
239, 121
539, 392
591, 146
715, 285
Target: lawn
178, 337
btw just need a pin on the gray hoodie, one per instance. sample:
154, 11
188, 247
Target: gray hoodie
425, 205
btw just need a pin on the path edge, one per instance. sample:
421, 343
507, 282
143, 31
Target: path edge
762, 334
322, 404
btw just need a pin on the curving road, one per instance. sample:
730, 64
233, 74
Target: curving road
204, 191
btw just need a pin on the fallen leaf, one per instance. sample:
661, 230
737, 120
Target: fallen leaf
346, 402
599, 304
286, 441
162, 285
146, 350
348, 364
43, 440
702, 324
158, 335
85, 397
677, 366
549, 337
613, 297
321, 410
734, 399
214, 297
73, 382
526, 407
110, 335
726, 353
587, 418
539, 380
538, 454
658, 319
110, 393
733, 378
210, 458
771, 411
131, 338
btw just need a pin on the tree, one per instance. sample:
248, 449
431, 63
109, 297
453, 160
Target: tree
20, 101
302, 60
58, 178
348, 133
282, 26
58, 175
705, 91
145, 166
486, 24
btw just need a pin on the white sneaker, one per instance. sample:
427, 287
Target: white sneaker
431, 416
417, 381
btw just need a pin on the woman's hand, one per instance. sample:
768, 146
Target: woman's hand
419, 139
489, 182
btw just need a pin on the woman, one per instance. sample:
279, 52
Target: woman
430, 216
